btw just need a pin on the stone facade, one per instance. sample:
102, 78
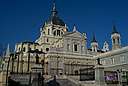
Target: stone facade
64, 52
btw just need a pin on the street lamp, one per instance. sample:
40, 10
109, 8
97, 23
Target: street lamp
119, 71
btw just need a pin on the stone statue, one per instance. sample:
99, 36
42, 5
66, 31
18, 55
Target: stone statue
98, 61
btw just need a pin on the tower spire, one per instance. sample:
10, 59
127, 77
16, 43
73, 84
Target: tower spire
54, 11
94, 38
114, 29
7, 54
105, 46
115, 36
94, 44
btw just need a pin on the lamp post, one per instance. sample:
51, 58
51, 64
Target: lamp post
119, 71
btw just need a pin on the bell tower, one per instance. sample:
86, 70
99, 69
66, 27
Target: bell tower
94, 44
52, 30
115, 36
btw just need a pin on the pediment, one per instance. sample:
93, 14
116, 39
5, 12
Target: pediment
74, 34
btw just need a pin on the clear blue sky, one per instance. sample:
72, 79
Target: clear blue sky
21, 20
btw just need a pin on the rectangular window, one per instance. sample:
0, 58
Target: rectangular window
48, 31
75, 47
118, 40
114, 41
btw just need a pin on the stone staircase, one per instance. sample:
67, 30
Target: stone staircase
76, 80
65, 82
72, 81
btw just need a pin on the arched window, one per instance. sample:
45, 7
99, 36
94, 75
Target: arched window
76, 72
29, 49
54, 33
47, 49
47, 40
118, 40
19, 48
37, 59
114, 41
61, 33
58, 32
24, 49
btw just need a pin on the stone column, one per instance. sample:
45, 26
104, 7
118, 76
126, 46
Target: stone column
99, 75
49, 67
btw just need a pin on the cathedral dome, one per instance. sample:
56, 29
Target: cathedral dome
56, 20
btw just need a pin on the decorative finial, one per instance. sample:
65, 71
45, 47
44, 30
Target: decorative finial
84, 35
7, 51
105, 47
65, 25
74, 28
54, 5
54, 11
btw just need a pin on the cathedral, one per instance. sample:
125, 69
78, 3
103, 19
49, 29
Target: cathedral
65, 53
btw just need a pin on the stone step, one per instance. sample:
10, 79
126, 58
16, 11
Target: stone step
65, 82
